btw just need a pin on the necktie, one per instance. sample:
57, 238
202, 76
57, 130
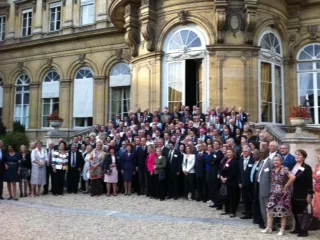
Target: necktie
171, 156
50, 157
73, 160
245, 163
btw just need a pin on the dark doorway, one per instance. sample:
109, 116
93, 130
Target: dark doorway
193, 94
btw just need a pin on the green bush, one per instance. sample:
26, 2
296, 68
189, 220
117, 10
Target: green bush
15, 139
18, 127
3, 129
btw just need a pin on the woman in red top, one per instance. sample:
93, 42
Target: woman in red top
150, 166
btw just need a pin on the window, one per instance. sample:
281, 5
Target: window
1, 98
183, 40
26, 22
120, 81
55, 16
271, 97
2, 27
83, 98
50, 96
21, 112
309, 80
87, 12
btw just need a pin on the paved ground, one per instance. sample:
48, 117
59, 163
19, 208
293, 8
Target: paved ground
135, 217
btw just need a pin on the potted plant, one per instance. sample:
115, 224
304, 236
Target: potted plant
55, 120
298, 117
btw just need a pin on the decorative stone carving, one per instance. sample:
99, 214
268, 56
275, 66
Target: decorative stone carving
276, 22
64, 3
119, 54
185, 55
313, 32
270, 56
251, 20
235, 21
183, 15
148, 23
44, 4
131, 26
290, 61
20, 67
221, 17
294, 39
82, 58
49, 62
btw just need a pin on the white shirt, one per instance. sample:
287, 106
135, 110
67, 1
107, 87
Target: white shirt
245, 162
188, 164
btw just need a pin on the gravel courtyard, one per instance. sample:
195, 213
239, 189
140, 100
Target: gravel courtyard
135, 217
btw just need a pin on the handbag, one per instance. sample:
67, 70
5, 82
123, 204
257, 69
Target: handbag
223, 193
306, 218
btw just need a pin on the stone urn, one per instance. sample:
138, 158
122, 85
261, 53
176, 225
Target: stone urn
56, 124
298, 123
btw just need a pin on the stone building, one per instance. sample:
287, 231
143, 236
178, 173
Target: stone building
92, 59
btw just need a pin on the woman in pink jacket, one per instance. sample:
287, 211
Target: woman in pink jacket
150, 166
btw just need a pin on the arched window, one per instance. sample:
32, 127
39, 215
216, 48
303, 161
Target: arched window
185, 72
83, 98
309, 80
50, 96
271, 93
21, 112
120, 82
1, 97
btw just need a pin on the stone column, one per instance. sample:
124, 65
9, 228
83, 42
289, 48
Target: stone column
107, 116
66, 107
8, 106
38, 18
11, 23
34, 106
68, 16
99, 100
101, 13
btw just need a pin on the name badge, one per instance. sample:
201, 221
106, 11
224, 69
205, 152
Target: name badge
257, 168
227, 165
301, 168
215, 156
175, 155
267, 170
318, 173
250, 165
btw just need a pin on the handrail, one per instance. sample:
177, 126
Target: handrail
82, 132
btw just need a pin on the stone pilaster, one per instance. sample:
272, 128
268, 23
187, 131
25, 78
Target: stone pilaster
11, 23
66, 107
37, 23
8, 105
99, 105
148, 21
101, 13
131, 25
34, 106
68, 16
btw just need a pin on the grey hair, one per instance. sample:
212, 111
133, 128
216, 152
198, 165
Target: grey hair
74, 145
278, 156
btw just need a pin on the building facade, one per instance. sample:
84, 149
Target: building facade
92, 59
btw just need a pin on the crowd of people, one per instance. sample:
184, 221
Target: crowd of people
216, 158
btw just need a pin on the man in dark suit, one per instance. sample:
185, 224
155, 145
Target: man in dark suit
50, 151
75, 164
2, 168
245, 165
238, 122
217, 158
289, 160
256, 213
243, 116
173, 171
232, 127
141, 156
200, 174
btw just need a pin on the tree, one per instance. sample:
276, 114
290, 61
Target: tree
15, 139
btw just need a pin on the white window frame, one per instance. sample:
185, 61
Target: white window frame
85, 3
22, 100
122, 113
182, 55
54, 7
26, 11
51, 110
314, 71
273, 63
3, 22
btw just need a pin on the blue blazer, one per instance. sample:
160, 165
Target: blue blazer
128, 163
289, 161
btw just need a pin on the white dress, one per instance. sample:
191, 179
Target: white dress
38, 175
86, 167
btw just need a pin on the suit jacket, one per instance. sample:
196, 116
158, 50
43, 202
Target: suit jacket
174, 164
244, 175
108, 161
303, 185
160, 164
141, 156
165, 152
243, 117
79, 160
200, 165
265, 177
216, 162
289, 161
230, 171
127, 163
